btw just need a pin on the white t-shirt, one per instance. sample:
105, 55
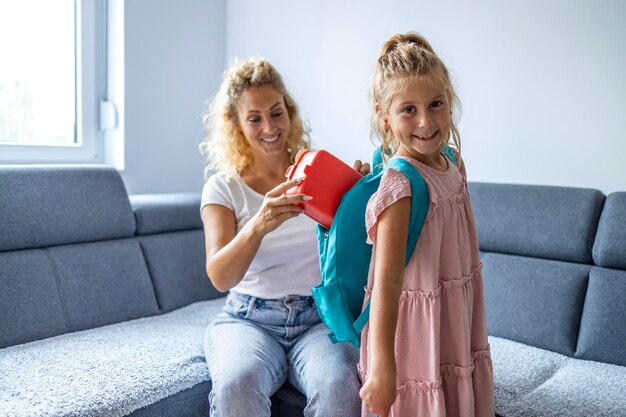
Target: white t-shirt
287, 262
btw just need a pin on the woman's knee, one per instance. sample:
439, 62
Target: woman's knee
239, 396
343, 385
241, 384
337, 394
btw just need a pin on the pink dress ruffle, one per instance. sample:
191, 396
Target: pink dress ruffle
442, 352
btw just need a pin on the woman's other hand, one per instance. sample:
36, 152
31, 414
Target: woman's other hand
278, 207
362, 168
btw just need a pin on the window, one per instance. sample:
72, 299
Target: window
61, 81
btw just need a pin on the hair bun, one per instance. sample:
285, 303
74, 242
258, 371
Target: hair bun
398, 39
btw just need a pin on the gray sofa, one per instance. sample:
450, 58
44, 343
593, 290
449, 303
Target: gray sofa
104, 299
554, 272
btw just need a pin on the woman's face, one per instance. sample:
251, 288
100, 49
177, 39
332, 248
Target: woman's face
264, 121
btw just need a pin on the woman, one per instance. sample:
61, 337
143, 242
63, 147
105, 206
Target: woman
261, 250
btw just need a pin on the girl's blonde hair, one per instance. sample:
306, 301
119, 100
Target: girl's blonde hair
404, 56
225, 146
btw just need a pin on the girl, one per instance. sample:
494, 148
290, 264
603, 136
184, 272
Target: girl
425, 350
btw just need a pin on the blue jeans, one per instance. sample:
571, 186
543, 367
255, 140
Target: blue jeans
255, 345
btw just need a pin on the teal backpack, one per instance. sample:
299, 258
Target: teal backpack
345, 255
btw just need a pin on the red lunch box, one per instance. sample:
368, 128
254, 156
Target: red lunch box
326, 179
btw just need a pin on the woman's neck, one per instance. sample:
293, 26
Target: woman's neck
263, 175
267, 167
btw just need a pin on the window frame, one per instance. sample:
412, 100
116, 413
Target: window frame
99, 93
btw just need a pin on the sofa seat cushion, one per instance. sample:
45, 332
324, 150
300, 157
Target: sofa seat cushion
111, 370
534, 382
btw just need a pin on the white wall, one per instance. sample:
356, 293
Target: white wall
541, 82
175, 54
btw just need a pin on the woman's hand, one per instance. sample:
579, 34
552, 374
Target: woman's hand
277, 207
379, 393
363, 168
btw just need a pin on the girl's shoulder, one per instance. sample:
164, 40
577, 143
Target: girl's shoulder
393, 186
392, 181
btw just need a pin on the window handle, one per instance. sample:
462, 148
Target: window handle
108, 115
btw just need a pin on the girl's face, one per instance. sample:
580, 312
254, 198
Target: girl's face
264, 121
419, 117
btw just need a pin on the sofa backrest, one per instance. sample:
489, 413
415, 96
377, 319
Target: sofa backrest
556, 223
536, 246
554, 267
69, 260
73, 257
52, 206
169, 229
609, 248
603, 325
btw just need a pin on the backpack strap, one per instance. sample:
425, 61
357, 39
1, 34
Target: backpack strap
377, 160
420, 203
447, 151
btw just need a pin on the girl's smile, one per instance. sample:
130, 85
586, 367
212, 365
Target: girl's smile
427, 137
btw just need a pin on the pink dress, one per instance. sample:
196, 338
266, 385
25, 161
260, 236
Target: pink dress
442, 352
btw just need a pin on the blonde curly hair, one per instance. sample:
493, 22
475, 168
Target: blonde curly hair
225, 146
404, 56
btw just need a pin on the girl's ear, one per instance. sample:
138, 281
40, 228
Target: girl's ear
384, 122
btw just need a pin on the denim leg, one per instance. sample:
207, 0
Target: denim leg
246, 364
326, 374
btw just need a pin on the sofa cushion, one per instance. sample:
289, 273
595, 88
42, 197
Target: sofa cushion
519, 369
609, 248
534, 301
62, 205
109, 371
156, 213
176, 262
103, 282
535, 382
540, 221
30, 305
603, 325
578, 389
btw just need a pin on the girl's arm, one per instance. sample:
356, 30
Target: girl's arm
379, 391
228, 253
